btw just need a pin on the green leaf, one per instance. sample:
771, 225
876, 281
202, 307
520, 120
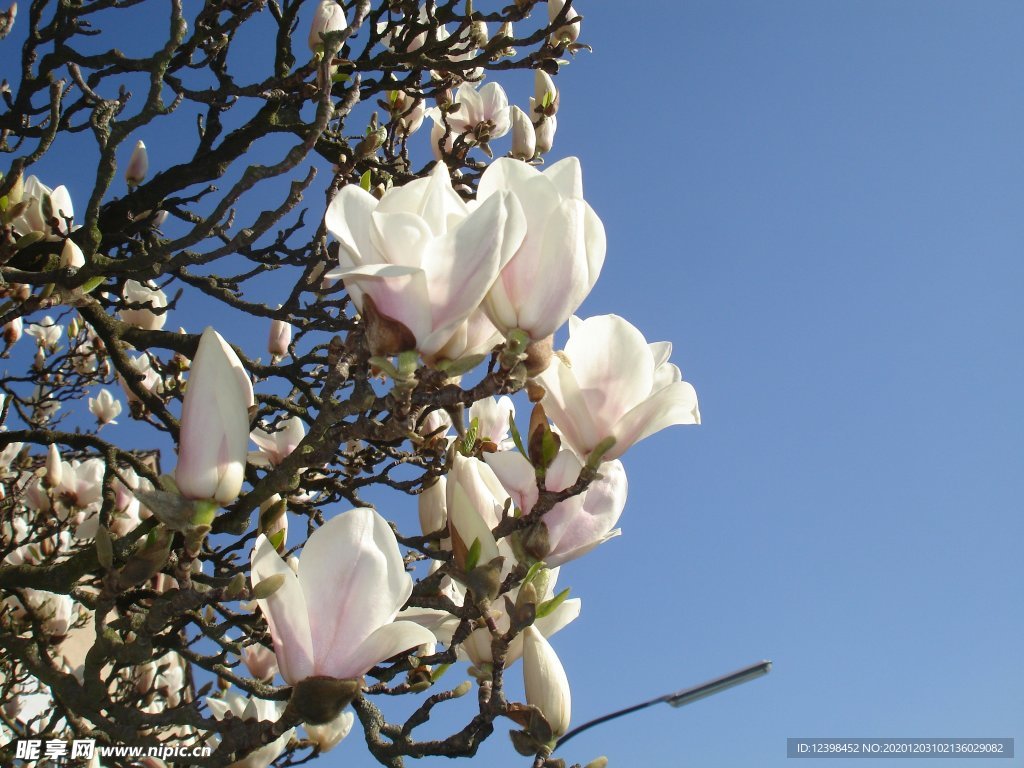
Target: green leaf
516, 437
469, 441
547, 607
366, 180
473, 556
438, 671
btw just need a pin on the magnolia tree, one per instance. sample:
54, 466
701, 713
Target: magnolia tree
227, 553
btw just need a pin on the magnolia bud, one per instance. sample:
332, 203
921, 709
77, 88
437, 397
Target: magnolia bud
138, 166
280, 338
546, 134
567, 33
54, 467
13, 331
330, 17
547, 687
72, 255
524, 136
545, 94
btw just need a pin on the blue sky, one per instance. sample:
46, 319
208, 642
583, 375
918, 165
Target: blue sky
820, 205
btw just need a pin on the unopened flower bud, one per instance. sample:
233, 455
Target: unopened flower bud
330, 17
13, 331
545, 94
546, 134
138, 166
567, 33
54, 467
72, 255
524, 136
280, 338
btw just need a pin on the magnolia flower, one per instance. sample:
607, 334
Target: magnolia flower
492, 417
337, 616
418, 262
483, 115
48, 210
213, 444
547, 687
616, 385
47, 333
150, 378
57, 612
280, 338
253, 709
275, 444
409, 111
575, 526
476, 648
524, 136
330, 17
104, 407
329, 735
135, 292
561, 256
475, 502
138, 165
260, 661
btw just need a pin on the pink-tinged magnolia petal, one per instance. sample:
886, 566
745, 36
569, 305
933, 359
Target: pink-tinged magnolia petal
494, 103
387, 641
400, 237
354, 581
399, 293
482, 487
505, 174
574, 530
348, 219
493, 417
432, 199
675, 404
433, 506
462, 266
476, 336
517, 476
567, 407
612, 364
565, 281
214, 437
286, 613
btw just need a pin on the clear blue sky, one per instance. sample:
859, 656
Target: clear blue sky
819, 204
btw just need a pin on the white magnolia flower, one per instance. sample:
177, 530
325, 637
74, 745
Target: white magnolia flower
614, 385
149, 296
337, 616
104, 407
